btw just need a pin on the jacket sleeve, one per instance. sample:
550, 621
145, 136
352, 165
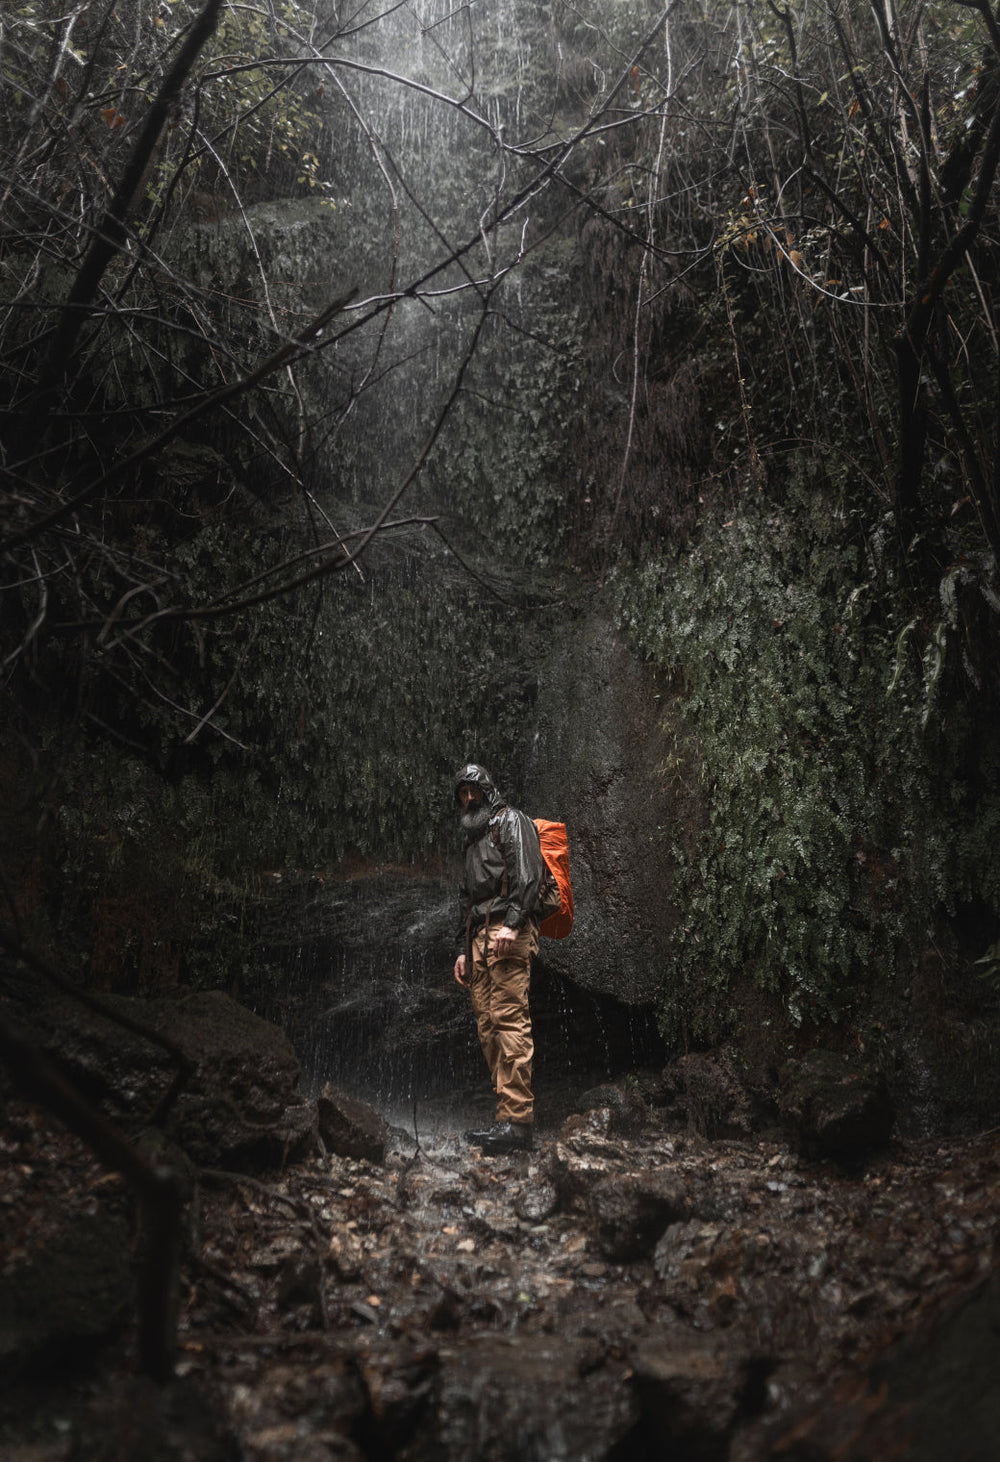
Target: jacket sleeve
462, 916
525, 866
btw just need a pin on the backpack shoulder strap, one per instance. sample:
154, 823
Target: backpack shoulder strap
494, 833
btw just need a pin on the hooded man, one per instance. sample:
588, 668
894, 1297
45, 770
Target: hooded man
505, 878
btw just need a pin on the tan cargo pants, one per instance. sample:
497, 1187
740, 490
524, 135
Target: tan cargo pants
499, 989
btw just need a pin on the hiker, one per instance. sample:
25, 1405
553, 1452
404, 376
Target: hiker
503, 895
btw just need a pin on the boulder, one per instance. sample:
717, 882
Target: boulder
835, 1104
929, 1396
350, 1128
701, 1267
239, 1106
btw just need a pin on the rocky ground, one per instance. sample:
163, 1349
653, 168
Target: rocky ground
627, 1290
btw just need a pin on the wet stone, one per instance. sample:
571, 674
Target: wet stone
350, 1128
629, 1212
588, 1131
536, 1201
303, 1412
703, 1268
626, 1112
583, 1154
685, 1248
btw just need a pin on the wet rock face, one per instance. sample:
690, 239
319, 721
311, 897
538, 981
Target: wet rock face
596, 764
370, 996
370, 1003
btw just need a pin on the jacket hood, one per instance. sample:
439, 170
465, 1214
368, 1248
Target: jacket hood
477, 776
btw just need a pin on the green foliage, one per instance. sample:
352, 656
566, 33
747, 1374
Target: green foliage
846, 810
260, 117
505, 450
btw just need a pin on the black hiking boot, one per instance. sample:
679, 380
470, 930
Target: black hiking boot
502, 1137
478, 1135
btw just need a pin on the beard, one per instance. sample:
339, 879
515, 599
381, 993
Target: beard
474, 820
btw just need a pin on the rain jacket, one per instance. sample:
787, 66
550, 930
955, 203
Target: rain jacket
509, 842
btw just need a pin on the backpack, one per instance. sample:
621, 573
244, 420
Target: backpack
554, 908
555, 903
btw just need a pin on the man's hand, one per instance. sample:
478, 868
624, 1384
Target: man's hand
504, 941
460, 971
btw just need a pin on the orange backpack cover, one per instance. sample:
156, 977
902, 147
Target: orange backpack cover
555, 851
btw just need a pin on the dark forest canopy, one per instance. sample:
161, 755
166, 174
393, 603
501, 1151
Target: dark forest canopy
307, 309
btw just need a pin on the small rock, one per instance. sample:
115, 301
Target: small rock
350, 1128
536, 1201
684, 1253
626, 1113
581, 1128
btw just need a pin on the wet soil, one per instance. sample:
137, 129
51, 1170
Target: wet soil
611, 1294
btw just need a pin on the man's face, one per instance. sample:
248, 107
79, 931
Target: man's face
475, 812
